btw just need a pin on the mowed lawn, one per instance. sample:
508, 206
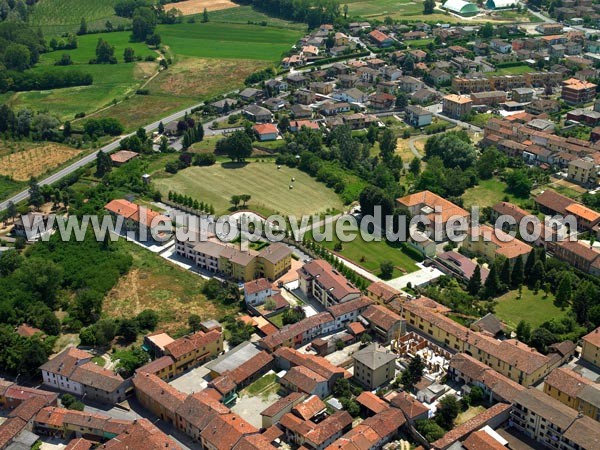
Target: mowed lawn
228, 40
58, 16
268, 186
370, 255
531, 308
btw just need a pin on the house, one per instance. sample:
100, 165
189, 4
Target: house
122, 156
423, 96
417, 116
492, 242
522, 95
489, 98
296, 80
380, 39
273, 414
297, 125
367, 74
73, 371
579, 255
225, 431
322, 282
333, 108
440, 77
384, 324
425, 203
391, 73
374, 366
249, 94
382, 100
32, 226
352, 95
276, 87
195, 349
321, 88
574, 390
382, 293
374, 432
590, 351
409, 84
224, 105
412, 408
500, 46
305, 97
257, 114
300, 111
293, 61
316, 436
549, 28
371, 404
275, 104
266, 131
583, 171
257, 291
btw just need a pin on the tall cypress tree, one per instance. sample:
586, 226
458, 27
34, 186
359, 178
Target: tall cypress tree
505, 273
531, 260
517, 275
475, 282
492, 283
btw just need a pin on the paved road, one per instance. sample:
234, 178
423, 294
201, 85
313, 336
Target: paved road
92, 156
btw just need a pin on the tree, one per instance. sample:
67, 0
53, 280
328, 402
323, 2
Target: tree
583, 298
161, 128
538, 274
430, 430
415, 166
448, 410
17, 57
387, 269
194, 322
541, 338
103, 164
128, 330
487, 30
517, 275
505, 275
245, 198
11, 212
564, 292
387, 144
131, 360
490, 160
143, 23
523, 331
83, 29
104, 52
128, 54
413, 373
147, 320
529, 263
238, 146
204, 16
474, 285
235, 201
270, 304
519, 183
35, 194
492, 283
293, 315
428, 6
401, 101
65, 60
108, 25
476, 395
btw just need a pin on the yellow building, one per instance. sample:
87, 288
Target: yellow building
590, 351
238, 265
491, 242
274, 261
194, 350
511, 358
575, 391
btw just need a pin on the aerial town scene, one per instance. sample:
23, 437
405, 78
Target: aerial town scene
299, 224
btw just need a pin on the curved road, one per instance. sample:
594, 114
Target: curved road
92, 156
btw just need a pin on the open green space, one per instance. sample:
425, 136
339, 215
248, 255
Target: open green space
418, 43
59, 16
268, 186
245, 14
488, 193
515, 70
531, 308
8, 187
218, 40
379, 9
370, 255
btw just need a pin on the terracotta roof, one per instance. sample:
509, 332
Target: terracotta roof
381, 317
303, 379
224, 431
372, 402
309, 407
471, 425
282, 404
122, 156
378, 36
272, 433
79, 444
506, 245
25, 330
386, 423
184, 345
66, 361
321, 271
480, 440
91, 374
343, 308
159, 391
51, 417
16, 392
317, 364
29, 408
329, 427
250, 367
410, 406
122, 208
160, 339
356, 328
580, 249
554, 201
383, 291
427, 198
141, 435
290, 331
567, 381
200, 408
254, 442
157, 365
265, 128
583, 212
10, 429
258, 285
593, 337
275, 252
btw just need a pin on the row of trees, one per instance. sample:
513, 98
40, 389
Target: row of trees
313, 12
189, 202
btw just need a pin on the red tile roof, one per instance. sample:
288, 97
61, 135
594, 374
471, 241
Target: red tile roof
372, 402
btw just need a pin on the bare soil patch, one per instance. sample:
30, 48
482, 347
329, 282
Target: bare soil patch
21, 161
189, 7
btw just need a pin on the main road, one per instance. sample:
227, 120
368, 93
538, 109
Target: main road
24, 195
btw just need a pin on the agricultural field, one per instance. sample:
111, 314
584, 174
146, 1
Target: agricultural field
268, 186
379, 9
21, 161
60, 16
531, 308
189, 7
247, 14
153, 283
217, 40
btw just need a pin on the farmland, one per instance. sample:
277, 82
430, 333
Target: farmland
268, 186
59, 16
22, 161
188, 7
215, 40
379, 9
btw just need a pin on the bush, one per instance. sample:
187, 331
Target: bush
204, 159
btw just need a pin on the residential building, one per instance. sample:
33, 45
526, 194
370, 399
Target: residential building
300, 333
257, 114
266, 131
456, 106
322, 282
579, 255
382, 293
574, 390
143, 221
490, 242
417, 116
576, 91
553, 424
583, 171
590, 350
195, 349
522, 95
384, 324
225, 431
122, 156
273, 414
257, 291
158, 396
489, 98
380, 39
374, 366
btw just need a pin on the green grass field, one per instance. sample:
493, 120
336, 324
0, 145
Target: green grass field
245, 14
217, 40
487, 193
370, 255
516, 70
531, 308
59, 16
268, 186
379, 9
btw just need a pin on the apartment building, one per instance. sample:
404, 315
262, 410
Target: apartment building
195, 349
490, 242
574, 390
553, 424
456, 106
322, 282
590, 351
374, 366
583, 171
143, 221
575, 91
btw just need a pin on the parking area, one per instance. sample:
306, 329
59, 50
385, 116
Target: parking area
193, 381
249, 407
